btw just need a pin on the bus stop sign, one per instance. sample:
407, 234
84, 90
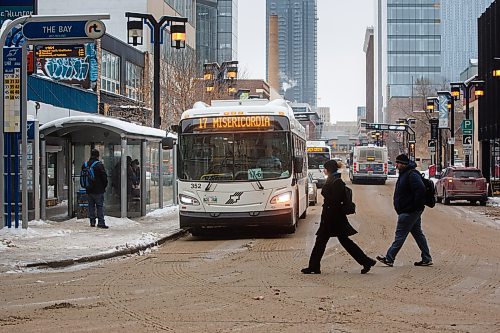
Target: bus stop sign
92, 29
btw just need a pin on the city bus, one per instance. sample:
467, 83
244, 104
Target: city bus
369, 164
241, 163
318, 152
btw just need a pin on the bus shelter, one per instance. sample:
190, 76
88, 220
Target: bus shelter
124, 148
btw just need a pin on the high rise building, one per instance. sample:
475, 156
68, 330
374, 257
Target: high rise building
216, 30
324, 114
408, 49
459, 34
297, 39
413, 45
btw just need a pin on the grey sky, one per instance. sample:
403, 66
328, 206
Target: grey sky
341, 60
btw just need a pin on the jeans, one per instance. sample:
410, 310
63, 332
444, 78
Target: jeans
96, 200
409, 223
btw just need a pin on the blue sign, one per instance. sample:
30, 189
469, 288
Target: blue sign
31, 130
12, 57
64, 30
12, 9
443, 111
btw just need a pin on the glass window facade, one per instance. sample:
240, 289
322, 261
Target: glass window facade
413, 45
134, 81
183, 7
206, 31
459, 21
217, 31
297, 39
110, 72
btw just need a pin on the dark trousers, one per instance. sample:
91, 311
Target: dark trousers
96, 201
352, 248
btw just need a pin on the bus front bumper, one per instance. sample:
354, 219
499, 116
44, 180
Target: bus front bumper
275, 218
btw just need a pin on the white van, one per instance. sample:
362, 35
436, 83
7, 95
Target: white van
369, 164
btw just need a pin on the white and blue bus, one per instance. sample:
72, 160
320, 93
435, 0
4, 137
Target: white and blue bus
241, 163
318, 152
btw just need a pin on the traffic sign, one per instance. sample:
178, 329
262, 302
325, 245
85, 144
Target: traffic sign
64, 29
467, 124
467, 140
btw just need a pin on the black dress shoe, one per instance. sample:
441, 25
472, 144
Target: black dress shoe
102, 226
366, 268
308, 270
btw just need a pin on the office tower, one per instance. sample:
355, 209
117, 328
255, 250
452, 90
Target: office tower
216, 30
459, 34
413, 45
297, 39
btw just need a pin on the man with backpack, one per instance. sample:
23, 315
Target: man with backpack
94, 179
409, 201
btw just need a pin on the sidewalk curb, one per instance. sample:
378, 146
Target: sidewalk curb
68, 262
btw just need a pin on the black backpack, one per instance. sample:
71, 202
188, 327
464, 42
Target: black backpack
87, 175
348, 207
430, 191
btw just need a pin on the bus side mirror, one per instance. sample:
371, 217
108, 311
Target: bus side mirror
175, 128
168, 142
298, 163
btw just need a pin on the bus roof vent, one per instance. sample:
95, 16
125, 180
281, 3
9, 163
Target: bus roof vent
237, 102
200, 105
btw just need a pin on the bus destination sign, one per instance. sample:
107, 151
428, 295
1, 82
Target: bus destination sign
60, 51
234, 123
317, 149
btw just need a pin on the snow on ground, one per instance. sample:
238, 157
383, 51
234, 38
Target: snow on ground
50, 240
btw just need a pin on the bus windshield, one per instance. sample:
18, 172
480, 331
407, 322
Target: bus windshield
317, 160
235, 156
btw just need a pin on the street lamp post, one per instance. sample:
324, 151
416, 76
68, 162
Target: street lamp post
449, 107
177, 38
435, 131
466, 86
217, 76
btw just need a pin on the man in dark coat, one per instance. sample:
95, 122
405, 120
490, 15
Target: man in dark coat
95, 193
334, 223
409, 199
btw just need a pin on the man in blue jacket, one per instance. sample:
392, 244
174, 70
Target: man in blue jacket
95, 193
409, 198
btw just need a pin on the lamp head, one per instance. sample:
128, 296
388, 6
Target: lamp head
178, 35
455, 92
134, 30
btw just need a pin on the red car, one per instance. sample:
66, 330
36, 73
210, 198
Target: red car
461, 183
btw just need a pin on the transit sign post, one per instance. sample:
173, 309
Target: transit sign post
64, 29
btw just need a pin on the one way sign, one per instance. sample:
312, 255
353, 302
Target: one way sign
467, 140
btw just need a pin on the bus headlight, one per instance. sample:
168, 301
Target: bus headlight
282, 198
187, 200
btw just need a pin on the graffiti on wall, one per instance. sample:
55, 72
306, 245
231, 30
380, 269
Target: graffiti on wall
75, 71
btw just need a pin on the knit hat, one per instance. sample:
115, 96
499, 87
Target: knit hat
403, 159
331, 166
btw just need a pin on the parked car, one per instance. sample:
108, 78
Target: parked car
312, 190
461, 183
